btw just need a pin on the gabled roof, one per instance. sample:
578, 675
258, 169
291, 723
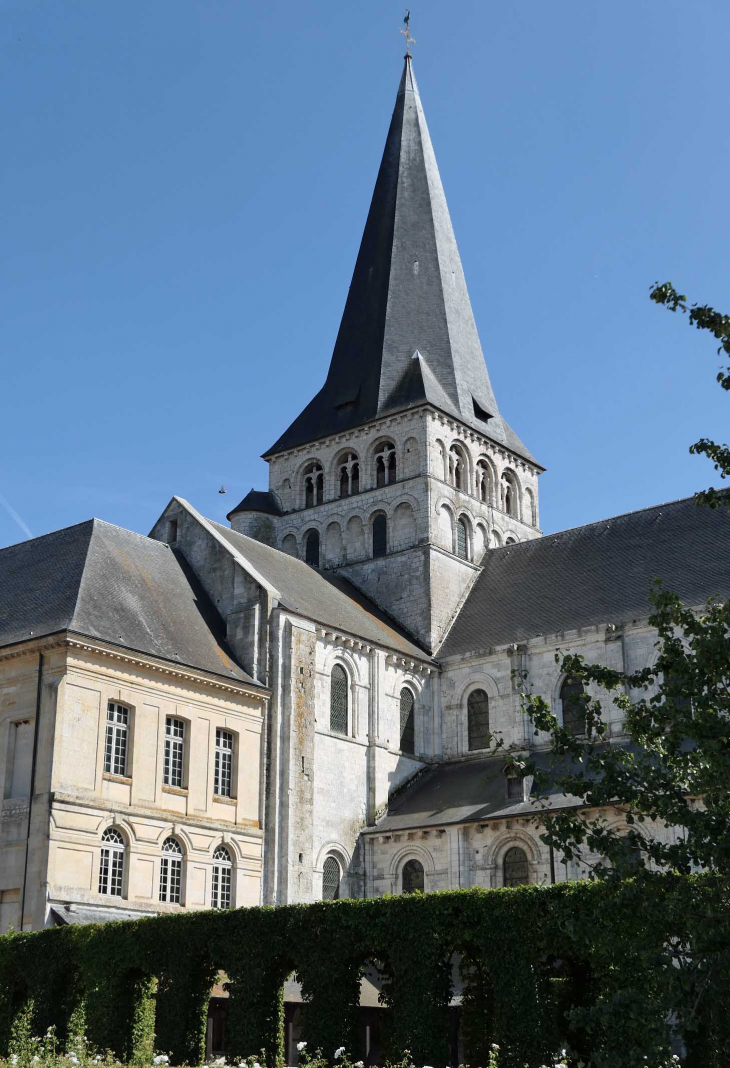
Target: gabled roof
407, 335
595, 574
326, 599
104, 582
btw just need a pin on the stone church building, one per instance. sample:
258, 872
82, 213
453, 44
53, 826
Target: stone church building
304, 704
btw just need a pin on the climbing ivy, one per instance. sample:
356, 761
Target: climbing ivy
597, 968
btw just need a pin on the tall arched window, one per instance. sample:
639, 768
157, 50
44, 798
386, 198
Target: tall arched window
516, 869
338, 700
220, 890
508, 493
458, 472
407, 721
331, 876
380, 535
413, 877
477, 710
349, 475
111, 863
313, 484
171, 871
385, 464
462, 539
483, 481
311, 548
571, 693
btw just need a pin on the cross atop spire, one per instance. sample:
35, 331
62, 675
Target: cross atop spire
407, 34
407, 336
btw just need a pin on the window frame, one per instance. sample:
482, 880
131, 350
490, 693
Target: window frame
116, 731
381, 519
221, 883
470, 712
343, 679
403, 728
515, 847
409, 866
170, 889
219, 769
112, 863
170, 762
331, 859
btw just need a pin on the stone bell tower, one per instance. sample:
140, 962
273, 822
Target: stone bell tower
401, 472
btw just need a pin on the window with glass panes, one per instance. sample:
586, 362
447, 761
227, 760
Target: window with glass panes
117, 737
111, 863
462, 540
223, 776
220, 896
338, 700
477, 710
174, 752
331, 876
171, 871
407, 724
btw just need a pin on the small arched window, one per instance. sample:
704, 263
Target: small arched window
457, 468
413, 877
462, 539
380, 535
111, 863
331, 876
509, 494
220, 890
338, 700
515, 866
571, 694
313, 484
349, 475
483, 481
477, 710
171, 871
385, 464
311, 548
407, 721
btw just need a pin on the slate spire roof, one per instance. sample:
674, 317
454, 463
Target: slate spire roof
408, 334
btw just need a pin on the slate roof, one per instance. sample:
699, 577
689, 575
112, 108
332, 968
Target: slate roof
407, 335
326, 599
464, 792
599, 573
257, 501
101, 581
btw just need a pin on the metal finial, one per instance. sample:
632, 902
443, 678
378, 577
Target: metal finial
407, 33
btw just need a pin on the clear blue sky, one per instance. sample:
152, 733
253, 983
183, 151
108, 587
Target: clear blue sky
184, 186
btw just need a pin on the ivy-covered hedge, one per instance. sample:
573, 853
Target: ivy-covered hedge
585, 965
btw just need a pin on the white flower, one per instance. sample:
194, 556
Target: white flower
35, 1060
358, 1064
14, 1058
339, 1052
301, 1046
73, 1058
161, 1058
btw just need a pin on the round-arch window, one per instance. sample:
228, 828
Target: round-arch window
571, 693
516, 871
331, 876
311, 548
338, 700
477, 707
413, 877
462, 540
407, 725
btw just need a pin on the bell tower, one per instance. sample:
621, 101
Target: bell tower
401, 472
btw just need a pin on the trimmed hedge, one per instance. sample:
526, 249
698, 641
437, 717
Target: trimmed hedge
583, 965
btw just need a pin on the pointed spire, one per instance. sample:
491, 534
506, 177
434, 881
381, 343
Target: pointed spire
407, 297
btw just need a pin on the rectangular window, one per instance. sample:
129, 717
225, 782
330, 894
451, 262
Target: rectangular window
20, 758
111, 872
223, 778
174, 764
117, 727
221, 889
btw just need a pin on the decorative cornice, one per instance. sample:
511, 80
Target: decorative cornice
346, 641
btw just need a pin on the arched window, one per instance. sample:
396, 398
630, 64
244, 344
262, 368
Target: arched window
413, 877
516, 870
458, 474
385, 464
407, 721
331, 876
111, 864
171, 871
313, 484
338, 700
117, 739
311, 548
349, 475
380, 535
477, 710
571, 693
462, 539
483, 481
510, 541
220, 891
509, 494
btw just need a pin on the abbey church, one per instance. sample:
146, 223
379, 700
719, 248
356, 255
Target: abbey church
303, 704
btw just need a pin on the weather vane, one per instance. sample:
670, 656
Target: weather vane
407, 33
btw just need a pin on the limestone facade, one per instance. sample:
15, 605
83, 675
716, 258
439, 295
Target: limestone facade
76, 800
